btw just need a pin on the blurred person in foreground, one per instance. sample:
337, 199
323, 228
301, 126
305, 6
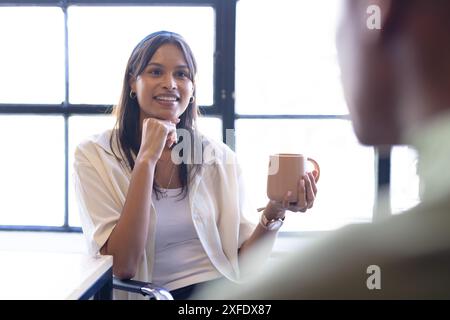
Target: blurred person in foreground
396, 81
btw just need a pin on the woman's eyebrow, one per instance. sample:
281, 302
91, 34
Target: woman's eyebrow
155, 64
181, 66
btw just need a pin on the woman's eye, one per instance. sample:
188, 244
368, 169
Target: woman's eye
182, 74
155, 72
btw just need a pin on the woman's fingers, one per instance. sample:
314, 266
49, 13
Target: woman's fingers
285, 202
157, 134
171, 128
296, 209
171, 138
312, 178
306, 194
302, 203
310, 194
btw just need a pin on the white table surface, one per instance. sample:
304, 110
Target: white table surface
49, 275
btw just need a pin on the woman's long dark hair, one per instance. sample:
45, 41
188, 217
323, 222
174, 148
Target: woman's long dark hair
127, 130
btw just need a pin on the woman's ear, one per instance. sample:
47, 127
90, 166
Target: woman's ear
193, 90
132, 83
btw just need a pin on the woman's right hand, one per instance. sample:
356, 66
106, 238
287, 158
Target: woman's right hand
156, 134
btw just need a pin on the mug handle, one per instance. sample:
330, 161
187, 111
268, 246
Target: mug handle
316, 167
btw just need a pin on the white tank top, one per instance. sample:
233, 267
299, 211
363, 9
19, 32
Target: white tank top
180, 259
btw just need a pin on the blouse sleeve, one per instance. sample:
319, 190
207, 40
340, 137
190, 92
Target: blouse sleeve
99, 210
245, 226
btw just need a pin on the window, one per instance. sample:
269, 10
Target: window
404, 187
346, 168
282, 67
81, 127
32, 55
32, 170
101, 40
289, 100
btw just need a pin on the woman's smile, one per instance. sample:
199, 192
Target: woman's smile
167, 100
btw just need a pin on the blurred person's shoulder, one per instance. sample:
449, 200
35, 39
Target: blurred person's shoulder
410, 252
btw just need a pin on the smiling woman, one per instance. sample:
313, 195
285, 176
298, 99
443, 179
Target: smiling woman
176, 224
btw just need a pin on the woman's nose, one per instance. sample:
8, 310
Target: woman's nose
169, 82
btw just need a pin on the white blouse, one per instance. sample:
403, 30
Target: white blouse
215, 198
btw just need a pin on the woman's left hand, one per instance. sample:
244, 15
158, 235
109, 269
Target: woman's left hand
307, 191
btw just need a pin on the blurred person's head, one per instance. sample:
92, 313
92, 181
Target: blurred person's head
397, 77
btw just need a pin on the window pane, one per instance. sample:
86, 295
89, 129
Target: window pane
286, 61
404, 179
211, 127
346, 185
80, 128
32, 170
102, 38
32, 55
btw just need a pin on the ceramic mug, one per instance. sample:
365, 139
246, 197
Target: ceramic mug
285, 169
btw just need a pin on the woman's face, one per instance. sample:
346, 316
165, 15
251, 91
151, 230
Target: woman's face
164, 88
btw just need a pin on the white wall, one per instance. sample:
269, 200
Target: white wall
42, 241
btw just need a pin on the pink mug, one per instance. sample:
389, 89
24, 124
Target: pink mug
285, 169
